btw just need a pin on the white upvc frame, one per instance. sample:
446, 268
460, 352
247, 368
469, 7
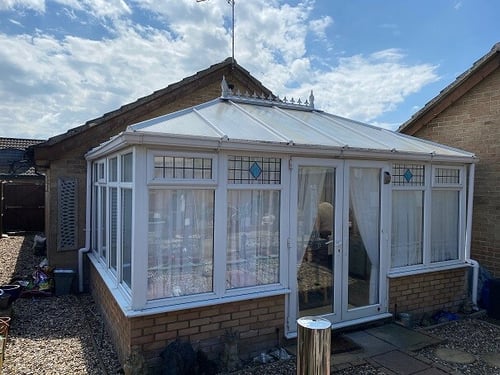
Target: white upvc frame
133, 301
144, 169
112, 277
384, 240
429, 186
291, 265
283, 252
461, 189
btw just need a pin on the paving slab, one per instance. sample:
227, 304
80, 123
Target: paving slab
402, 337
400, 363
455, 356
492, 359
370, 344
431, 371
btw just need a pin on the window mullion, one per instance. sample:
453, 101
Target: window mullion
220, 229
427, 216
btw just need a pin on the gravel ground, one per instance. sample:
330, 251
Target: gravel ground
51, 335
474, 336
64, 334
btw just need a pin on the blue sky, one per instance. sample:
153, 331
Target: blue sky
65, 62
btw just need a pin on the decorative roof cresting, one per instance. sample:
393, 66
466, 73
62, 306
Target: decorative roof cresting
227, 93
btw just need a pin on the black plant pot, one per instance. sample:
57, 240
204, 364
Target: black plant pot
4, 300
13, 290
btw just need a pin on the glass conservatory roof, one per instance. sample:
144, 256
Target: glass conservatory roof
250, 119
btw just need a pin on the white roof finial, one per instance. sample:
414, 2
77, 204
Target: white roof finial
311, 100
226, 91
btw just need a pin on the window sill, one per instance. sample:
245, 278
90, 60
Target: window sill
393, 274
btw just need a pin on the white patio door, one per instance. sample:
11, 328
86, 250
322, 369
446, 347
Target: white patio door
364, 238
335, 226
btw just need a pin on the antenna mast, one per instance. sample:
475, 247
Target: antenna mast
230, 2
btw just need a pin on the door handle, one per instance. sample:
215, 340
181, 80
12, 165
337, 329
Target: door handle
338, 246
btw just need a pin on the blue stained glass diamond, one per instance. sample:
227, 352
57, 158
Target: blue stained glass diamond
255, 170
408, 175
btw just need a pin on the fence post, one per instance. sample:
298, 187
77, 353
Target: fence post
313, 346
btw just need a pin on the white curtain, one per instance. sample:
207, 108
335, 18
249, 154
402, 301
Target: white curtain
407, 228
311, 183
180, 251
252, 238
444, 223
365, 201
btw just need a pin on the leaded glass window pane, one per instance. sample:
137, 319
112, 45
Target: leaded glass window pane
408, 175
446, 176
254, 170
185, 168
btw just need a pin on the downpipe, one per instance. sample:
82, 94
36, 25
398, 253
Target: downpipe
473, 263
475, 277
86, 249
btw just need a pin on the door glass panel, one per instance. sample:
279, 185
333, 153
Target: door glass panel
364, 240
315, 223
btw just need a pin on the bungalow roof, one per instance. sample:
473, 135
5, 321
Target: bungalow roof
13, 157
465, 82
152, 101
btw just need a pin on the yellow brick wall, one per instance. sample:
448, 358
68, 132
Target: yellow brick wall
258, 322
429, 292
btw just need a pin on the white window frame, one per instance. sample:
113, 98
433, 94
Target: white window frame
429, 186
112, 276
460, 188
219, 184
284, 222
133, 300
152, 181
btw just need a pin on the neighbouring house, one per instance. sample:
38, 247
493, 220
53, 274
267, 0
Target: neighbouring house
245, 213
466, 114
22, 191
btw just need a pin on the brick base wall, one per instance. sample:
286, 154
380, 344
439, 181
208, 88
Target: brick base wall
117, 325
258, 322
429, 292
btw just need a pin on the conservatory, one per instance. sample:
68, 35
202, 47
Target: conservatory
246, 198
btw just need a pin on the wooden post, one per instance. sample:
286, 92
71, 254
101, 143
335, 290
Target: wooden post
313, 346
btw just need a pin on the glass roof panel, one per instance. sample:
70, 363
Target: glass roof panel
274, 123
236, 124
291, 127
350, 133
189, 124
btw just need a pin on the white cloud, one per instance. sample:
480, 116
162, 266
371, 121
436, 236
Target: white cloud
36, 5
319, 26
364, 87
51, 85
99, 8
